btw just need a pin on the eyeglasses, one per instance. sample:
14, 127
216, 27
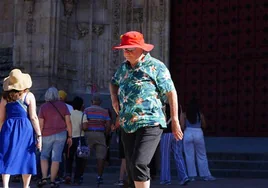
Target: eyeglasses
129, 49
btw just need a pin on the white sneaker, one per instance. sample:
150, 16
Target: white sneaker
209, 178
119, 182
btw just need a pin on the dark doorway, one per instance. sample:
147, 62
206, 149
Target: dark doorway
219, 53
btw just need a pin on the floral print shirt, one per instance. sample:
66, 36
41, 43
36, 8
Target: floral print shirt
140, 91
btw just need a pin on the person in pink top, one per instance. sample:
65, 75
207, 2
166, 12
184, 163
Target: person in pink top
54, 118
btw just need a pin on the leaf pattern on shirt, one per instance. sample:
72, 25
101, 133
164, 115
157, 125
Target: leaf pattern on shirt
140, 92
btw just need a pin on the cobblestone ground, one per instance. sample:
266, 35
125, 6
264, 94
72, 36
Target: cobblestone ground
109, 179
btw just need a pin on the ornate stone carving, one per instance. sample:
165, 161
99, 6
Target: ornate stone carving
63, 28
137, 15
116, 36
31, 23
116, 16
98, 29
129, 14
161, 28
30, 26
30, 6
82, 29
68, 7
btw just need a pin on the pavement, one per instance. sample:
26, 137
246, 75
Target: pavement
213, 144
110, 178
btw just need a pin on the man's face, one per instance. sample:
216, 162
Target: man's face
132, 54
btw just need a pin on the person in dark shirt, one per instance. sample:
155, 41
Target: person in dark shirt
167, 144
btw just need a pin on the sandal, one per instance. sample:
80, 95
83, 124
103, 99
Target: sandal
42, 182
68, 180
54, 185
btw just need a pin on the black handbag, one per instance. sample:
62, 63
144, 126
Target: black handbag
82, 151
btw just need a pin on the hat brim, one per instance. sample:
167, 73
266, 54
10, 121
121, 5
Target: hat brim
24, 83
145, 47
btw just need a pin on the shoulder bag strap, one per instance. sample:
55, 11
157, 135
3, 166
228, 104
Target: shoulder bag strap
81, 128
22, 105
57, 111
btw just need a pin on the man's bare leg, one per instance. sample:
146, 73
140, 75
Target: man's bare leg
142, 184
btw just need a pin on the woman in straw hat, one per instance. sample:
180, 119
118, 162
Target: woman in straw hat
18, 124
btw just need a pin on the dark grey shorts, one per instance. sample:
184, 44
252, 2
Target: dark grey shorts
139, 149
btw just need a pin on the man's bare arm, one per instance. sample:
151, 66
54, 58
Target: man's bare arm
173, 103
114, 97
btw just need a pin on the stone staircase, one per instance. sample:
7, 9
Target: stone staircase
236, 164
245, 165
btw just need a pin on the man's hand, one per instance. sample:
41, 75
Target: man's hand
115, 103
176, 130
69, 142
39, 143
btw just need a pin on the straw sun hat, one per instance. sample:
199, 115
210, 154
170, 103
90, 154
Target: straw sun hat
17, 80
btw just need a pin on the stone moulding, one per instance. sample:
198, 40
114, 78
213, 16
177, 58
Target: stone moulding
31, 4
30, 26
82, 29
98, 29
68, 7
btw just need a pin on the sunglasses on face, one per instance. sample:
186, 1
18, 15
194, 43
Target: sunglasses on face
129, 49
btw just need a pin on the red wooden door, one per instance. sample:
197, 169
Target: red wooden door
219, 53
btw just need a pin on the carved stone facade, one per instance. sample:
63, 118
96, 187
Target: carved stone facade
68, 43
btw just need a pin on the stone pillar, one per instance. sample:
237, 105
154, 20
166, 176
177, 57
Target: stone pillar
36, 41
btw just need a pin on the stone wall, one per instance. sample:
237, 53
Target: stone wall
6, 23
6, 38
5, 64
67, 43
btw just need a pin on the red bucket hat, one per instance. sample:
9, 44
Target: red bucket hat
133, 39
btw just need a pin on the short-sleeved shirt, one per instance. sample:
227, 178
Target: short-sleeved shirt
53, 121
76, 119
139, 93
97, 117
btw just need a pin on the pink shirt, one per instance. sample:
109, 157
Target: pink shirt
53, 121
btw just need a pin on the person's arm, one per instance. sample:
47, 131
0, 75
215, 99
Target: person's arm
41, 123
2, 112
114, 97
203, 121
182, 121
175, 124
34, 119
107, 127
69, 129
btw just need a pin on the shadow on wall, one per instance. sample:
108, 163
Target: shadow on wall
6, 64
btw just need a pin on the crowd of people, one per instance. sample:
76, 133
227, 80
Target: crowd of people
148, 117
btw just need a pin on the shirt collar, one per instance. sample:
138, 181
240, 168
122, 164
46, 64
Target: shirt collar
146, 58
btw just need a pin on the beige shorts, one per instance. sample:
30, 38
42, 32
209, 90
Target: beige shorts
97, 141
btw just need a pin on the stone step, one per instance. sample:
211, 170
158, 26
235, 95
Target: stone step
246, 165
218, 155
219, 173
238, 173
237, 156
238, 164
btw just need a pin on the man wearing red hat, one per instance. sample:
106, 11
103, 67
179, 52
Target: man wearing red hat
136, 89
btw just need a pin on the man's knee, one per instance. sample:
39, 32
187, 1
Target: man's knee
141, 172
